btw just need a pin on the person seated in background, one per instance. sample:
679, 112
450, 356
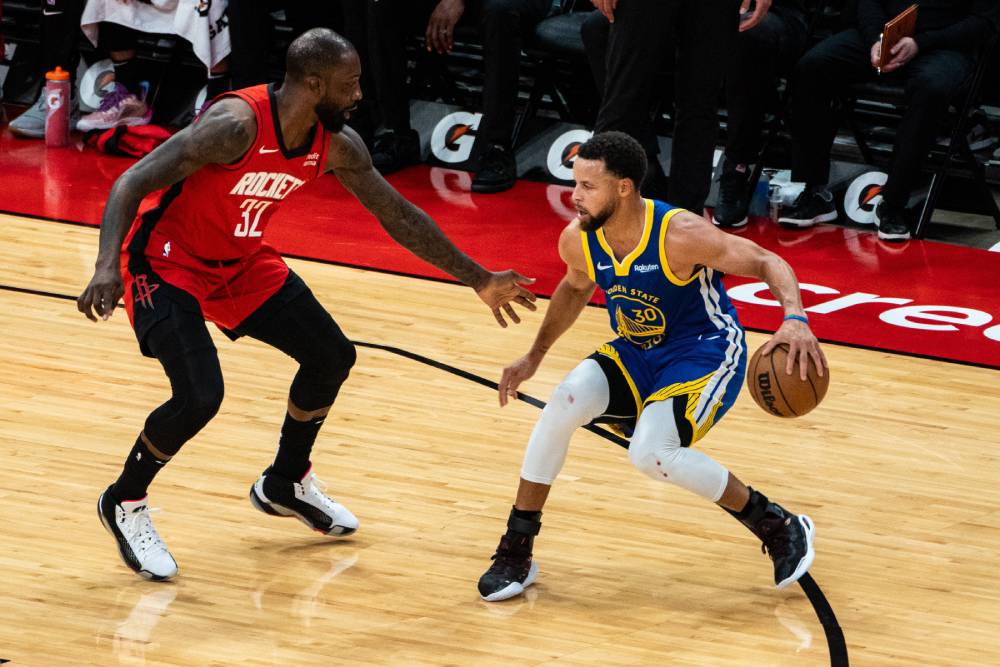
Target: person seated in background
638, 34
502, 26
58, 46
114, 26
761, 53
933, 66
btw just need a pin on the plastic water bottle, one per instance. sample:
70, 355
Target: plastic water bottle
56, 107
774, 202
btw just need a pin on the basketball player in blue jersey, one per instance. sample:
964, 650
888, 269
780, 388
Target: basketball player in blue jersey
673, 371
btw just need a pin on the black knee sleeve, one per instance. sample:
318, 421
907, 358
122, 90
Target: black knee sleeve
301, 328
324, 368
184, 348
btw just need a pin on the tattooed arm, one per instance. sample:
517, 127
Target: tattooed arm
417, 232
222, 135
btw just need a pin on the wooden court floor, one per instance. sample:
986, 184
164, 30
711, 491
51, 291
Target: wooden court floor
898, 468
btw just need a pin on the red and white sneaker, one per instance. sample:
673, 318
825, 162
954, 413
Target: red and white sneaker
305, 500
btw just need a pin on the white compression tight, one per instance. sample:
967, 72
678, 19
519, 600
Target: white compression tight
656, 450
581, 397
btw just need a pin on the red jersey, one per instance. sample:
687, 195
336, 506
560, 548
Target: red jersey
202, 242
220, 212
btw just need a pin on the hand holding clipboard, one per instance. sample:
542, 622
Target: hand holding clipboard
896, 45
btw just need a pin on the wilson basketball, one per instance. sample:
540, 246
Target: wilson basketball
781, 394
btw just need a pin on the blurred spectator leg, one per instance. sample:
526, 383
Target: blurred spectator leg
397, 144
932, 81
707, 32
503, 24
59, 46
594, 32
820, 74
636, 45
125, 103
249, 37
751, 85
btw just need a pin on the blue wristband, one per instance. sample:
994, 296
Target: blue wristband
797, 318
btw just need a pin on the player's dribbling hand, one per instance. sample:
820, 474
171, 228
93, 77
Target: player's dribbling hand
802, 345
503, 288
515, 374
101, 294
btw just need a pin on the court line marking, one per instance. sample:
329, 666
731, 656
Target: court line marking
836, 644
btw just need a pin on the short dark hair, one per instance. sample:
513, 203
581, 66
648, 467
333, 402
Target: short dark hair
623, 156
315, 51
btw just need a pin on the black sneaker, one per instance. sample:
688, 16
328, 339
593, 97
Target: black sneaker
512, 571
891, 225
734, 200
810, 207
497, 171
788, 540
395, 150
305, 500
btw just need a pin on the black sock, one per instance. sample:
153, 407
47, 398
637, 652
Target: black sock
753, 511
295, 446
218, 84
127, 74
140, 468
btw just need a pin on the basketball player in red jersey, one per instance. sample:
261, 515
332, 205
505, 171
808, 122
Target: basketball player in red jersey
198, 255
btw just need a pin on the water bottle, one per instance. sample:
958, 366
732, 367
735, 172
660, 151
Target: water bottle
774, 202
56, 107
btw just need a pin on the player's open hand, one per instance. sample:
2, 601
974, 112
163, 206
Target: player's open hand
515, 374
504, 288
101, 294
802, 345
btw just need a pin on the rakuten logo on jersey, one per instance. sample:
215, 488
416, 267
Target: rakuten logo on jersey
926, 318
266, 184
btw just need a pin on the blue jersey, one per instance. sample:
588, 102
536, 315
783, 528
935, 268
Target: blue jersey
648, 305
676, 338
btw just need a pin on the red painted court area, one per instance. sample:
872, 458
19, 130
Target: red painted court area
920, 297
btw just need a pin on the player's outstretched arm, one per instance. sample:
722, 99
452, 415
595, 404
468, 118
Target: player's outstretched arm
222, 135
417, 232
569, 299
693, 241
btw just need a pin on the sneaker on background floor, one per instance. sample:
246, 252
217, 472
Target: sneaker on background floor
812, 206
119, 107
31, 123
734, 199
891, 224
497, 171
395, 150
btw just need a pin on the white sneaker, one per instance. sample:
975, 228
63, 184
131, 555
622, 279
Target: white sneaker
139, 544
304, 500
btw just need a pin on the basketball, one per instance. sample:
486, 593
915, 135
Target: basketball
781, 394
